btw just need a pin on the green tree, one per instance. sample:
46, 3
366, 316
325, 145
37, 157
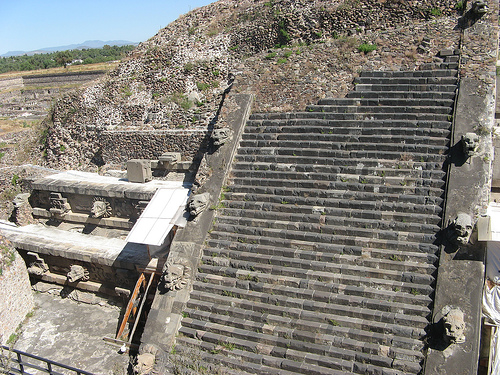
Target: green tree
64, 58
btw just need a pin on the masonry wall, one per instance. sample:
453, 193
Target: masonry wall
16, 298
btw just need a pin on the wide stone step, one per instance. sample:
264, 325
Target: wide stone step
403, 162
402, 152
326, 226
406, 87
318, 312
353, 116
413, 81
406, 73
382, 109
355, 305
240, 350
238, 361
328, 181
389, 94
297, 273
377, 169
374, 102
330, 139
323, 215
356, 129
268, 236
266, 122
297, 338
272, 256
386, 199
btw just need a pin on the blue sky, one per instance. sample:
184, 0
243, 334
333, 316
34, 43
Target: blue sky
27, 25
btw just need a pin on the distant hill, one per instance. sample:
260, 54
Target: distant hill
86, 44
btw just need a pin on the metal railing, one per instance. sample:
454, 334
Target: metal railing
13, 361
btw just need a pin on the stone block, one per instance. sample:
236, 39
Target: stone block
139, 170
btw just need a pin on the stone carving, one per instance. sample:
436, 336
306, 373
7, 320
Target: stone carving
22, 214
221, 136
470, 142
460, 229
170, 159
38, 267
454, 325
149, 361
479, 7
77, 273
58, 204
176, 274
100, 208
198, 203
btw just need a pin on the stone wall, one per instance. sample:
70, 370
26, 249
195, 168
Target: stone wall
65, 78
16, 298
120, 146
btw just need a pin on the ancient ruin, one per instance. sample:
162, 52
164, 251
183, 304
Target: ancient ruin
283, 187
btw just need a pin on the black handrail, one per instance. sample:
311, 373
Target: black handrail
21, 364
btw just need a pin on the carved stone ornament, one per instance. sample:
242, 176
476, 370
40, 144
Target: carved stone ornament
58, 204
77, 273
176, 274
461, 229
454, 325
480, 7
221, 136
149, 358
470, 143
38, 267
198, 203
100, 208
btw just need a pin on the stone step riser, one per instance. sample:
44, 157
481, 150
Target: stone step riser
372, 102
328, 217
328, 180
355, 116
405, 87
369, 110
272, 154
396, 264
316, 277
417, 162
401, 95
265, 236
412, 81
325, 132
417, 73
325, 225
377, 171
308, 207
341, 142
325, 125
294, 332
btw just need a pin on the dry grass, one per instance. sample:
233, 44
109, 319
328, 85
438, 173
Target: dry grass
61, 70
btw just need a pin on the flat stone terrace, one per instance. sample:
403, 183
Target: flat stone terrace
322, 258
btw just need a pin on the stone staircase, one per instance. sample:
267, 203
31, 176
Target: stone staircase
322, 256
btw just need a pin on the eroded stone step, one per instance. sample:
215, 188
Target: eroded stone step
369, 110
297, 333
313, 275
261, 254
236, 356
249, 201
338, 141
285, 124
412, 81
322, 227
275, 304
330, 181
375, 169
353, 116
404, 102
413, 73
405, 87
406, 153
401, 94
269, 236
